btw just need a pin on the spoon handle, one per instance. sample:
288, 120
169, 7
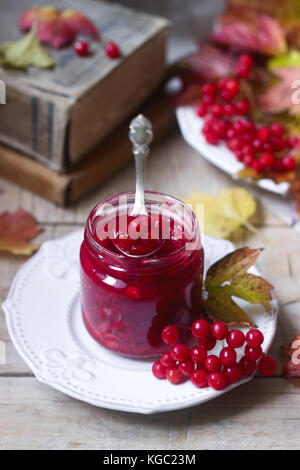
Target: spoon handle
140, 134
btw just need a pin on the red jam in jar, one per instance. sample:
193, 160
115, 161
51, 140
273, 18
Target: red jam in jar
128, 297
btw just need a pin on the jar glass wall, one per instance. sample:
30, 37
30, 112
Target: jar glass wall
126, 302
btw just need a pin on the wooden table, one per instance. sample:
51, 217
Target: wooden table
264, 413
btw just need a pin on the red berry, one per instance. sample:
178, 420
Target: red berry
232, 86
217, 380
167, 360
292, 141
199, 378
228, 356
230, 133
133, 292
267, 366
208, 342
170, 334
253, 353
246, 149
277, 129
278, 165
217, 110
278, 143
235, 144
174, 375
229, 110
158, 370
240, 126
254, 338
256, 145
234, 373
267, 159
112, 50
200, 328
244, 66
81, 48
248, 366
243, 107
289, 163
208, 99
219, 330
186, 367
180, 352
202, 110
238, 155
235, 338
246, 60
209, 89
198, 354
267, 146
263, 133
226, 95
222, 83
248, 160
257, 166
211, 139
212, 363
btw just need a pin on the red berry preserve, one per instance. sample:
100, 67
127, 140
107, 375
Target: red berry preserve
127, 301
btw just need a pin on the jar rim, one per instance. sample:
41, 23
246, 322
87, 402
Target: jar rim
147, 262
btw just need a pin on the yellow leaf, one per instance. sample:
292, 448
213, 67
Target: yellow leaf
223, 214
25, 52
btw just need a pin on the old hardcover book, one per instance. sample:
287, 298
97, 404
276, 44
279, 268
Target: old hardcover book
57, 116
110, 156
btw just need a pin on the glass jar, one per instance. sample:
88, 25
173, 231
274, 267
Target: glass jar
126, 302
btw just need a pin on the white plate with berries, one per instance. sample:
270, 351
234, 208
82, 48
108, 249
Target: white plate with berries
221, 129
219, 155
44, 321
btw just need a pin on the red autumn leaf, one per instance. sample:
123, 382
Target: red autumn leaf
278, 98
57, 28
210, 63
16, 230
265, 35
292, 367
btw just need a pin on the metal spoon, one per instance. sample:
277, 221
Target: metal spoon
140, 134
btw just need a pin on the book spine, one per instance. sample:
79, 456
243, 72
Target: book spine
35, 123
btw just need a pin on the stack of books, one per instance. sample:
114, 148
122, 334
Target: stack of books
64, 130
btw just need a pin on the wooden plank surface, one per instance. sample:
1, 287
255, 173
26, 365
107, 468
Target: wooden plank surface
260, 414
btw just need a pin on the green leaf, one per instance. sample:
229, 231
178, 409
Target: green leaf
291, 59
228, 277
25, 52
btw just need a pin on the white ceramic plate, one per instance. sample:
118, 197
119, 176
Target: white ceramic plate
44, 322
219, 155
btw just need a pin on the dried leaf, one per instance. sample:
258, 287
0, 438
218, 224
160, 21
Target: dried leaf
228, 277
223, 214
25, 52
292, 367
57, 28
16, 230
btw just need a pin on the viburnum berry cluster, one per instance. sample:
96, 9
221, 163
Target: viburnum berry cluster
227, 119
194, 362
